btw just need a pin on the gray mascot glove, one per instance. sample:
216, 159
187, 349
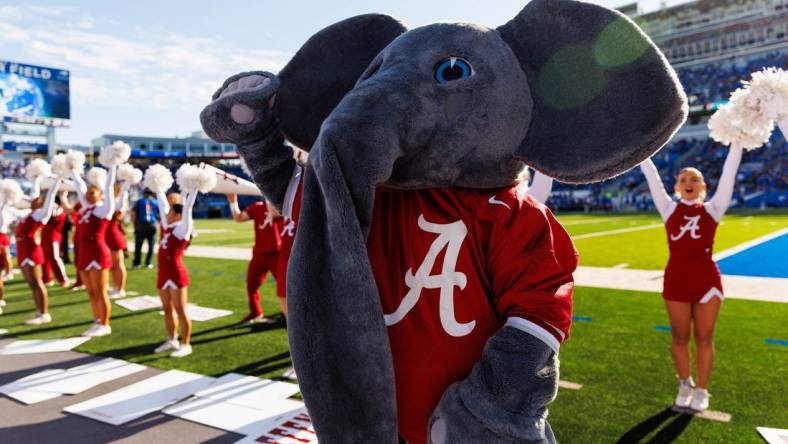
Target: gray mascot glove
505, 398
242, 112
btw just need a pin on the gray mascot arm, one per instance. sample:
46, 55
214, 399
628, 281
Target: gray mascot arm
242, 113
505, 398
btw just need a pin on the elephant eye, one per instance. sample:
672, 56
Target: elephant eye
451, 69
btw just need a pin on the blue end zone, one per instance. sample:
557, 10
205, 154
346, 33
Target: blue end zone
765, 260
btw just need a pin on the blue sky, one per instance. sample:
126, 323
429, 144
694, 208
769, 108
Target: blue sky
148, 67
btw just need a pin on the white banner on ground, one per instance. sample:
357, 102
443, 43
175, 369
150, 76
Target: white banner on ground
293, 428
21, 388
84, 377
42, 346
144, 397
237, 402
140, 303
49, 384
230, 183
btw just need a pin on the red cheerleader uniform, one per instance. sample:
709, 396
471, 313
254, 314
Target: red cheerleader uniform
691, 275
5, 241
51, 240
116, 239
28, 251
91, 240
265, 253
172, 272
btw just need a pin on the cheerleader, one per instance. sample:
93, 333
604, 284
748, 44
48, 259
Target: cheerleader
692, 286
116, 241
93, 257
29, 254
9, 194
173, 277
76, 213
51, 240
267, 241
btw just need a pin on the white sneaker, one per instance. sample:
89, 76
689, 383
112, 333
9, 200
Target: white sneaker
1, 309
169, 344
290, 374
261, 320
684, 398
2, 302
44, 318
183, 350
117, 294
97, 330
701, 400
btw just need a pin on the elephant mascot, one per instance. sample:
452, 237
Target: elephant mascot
428, 294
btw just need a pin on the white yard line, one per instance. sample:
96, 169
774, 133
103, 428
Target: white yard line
749, 244
736, 287
617, 231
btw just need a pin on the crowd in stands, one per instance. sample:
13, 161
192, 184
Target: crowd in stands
11, 169
713, 82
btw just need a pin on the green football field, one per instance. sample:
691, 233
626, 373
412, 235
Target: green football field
617, 350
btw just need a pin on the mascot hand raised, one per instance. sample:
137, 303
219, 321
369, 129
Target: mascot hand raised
418, 141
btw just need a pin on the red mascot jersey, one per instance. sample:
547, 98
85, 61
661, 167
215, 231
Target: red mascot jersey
266, 229
691, 275
451, 265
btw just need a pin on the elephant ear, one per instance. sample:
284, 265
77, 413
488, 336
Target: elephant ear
605, 98
325, 68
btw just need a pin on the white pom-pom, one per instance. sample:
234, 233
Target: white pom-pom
97, 177
158, 178
768, 93
191, 178
60, 166
115, 154
37, 168
730, 125
10, 191
75, 160
205, 180
129, 174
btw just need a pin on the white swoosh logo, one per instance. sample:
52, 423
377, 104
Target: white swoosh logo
495, 201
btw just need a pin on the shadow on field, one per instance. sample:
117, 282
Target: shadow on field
272, 363
667, 434
51, 306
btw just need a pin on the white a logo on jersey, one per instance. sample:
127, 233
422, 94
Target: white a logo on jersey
84, 217
450, 238
164, 239
289, 228
269, 220
692, 226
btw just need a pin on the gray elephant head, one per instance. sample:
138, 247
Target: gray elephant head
574, 90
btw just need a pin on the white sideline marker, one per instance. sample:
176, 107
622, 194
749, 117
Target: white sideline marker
3, 331
620, 266
42, 346
569, 385
706, 414
773, 436
202, 314
237, 402
140, 303
144, 397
